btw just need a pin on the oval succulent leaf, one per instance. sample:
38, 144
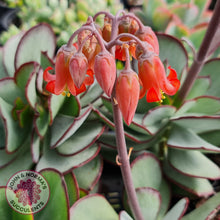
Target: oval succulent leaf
178, 210
97, 207
150, 201
146, 171
39, 38
193, 163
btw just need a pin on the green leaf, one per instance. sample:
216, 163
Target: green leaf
193, 163
149, 200
55, 102
205, 210
85, 136
198, 124
71, 106
38, 38
2, 135
51, 159
57, 207
176, 212
212, 137
41, 121
186, 12
146, 172
206, 105
172, 50
22, 161
200, 106
157, 118
137, 126
9, 53
200, 87
15, 135
92, 207
144, 106
186, 139
165, 193
45, 60
210, 69
6, 212
35, 147
197, 186
91, 95
197, 36
24, 73
88, 175
65, 126
123, 215
3, 72
72, 188
9, 91
30, 90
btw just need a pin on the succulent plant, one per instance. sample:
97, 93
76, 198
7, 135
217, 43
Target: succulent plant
171, 142
183, 19
64, 16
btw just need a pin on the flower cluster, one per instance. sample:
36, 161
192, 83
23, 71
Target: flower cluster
122, 37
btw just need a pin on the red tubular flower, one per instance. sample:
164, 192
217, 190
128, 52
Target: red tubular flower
105, 71
127, 94
62, 81
146, 34
120, 53
78, 67
153, 78
130, 26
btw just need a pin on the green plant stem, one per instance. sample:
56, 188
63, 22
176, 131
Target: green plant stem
200, 57
122, 149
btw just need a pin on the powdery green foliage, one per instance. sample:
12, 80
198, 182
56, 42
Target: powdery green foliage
68, 139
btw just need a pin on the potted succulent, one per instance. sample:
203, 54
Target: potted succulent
117, 121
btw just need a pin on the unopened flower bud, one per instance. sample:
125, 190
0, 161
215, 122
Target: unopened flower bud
127, 94
146, 34
105, 71
78, 67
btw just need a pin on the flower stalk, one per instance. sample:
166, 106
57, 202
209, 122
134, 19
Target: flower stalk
94, 53
124, 160
200, 57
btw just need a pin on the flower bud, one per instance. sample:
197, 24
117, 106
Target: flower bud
128, 25
105, 71
127, 94
146, 34
106, 32
78, 67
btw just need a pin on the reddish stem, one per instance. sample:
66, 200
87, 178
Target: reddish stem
121, 145
200, 56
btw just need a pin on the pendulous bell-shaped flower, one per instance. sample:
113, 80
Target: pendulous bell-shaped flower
146, 34
61, 82
78, 66
153, 78
105, 71
127, 94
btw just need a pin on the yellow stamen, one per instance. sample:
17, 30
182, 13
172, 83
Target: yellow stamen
63, 93
162, 96
68, 94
